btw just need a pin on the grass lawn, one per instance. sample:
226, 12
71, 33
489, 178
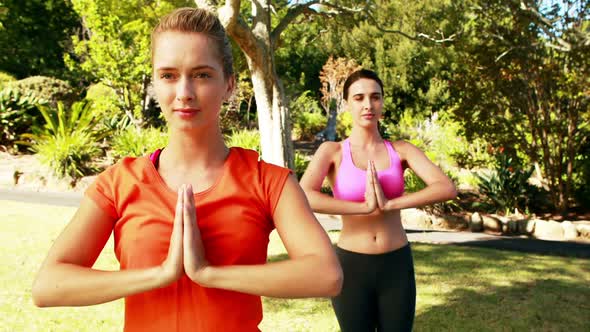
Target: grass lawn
459, 288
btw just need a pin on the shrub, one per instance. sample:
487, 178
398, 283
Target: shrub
248, 139
134, 142
301, 162
506, 186
5, 78
18, 112
104, 100
48, 88
67, 142
307, 117
344, 125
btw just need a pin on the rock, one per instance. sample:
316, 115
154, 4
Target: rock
548, 230
491, 223
416, 219
525, 226
569, 230
583, 228
476, 222
512, 227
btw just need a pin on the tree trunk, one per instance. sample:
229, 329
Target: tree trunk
273, 115
258, 45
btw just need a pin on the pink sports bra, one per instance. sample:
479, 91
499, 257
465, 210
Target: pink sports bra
350, 180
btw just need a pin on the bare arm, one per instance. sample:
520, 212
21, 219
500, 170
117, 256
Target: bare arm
314, 176
66, 277
439, 187
312, 270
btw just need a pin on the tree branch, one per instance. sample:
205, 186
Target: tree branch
291, 15
373, 20
546, 25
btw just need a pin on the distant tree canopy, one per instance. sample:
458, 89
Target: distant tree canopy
34, 35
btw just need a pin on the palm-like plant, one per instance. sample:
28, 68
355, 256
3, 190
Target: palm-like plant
68, 140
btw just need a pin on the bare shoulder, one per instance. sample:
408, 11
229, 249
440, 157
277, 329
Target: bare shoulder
329, 147
405, 149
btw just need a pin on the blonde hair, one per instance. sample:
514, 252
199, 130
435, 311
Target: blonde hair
198, 20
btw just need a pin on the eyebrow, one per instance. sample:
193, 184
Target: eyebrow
372, 94
192, 69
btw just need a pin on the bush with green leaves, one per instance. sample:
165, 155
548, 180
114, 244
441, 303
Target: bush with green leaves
105, 102
301, 161
413, 183
5, 78
438, 136
343, 125
307, 116
48, 88
506, 186
68, 140
245, 138
135, 142
18, 112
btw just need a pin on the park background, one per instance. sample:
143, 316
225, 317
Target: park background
496, 93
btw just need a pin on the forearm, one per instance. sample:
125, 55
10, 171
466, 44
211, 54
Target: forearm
309, 276
434, 193
327, 204
71, 285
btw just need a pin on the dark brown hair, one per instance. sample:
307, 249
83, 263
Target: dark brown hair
357, 75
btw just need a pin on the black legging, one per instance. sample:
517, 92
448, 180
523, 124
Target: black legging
379, 291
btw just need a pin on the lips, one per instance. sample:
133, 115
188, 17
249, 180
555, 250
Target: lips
368, 116
186, 112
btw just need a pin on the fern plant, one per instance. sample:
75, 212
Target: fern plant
68, 140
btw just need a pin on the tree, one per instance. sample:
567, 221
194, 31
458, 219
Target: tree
523, 83
33, 36
114, 47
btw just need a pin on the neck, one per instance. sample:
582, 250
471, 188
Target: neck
365, 137
196, 150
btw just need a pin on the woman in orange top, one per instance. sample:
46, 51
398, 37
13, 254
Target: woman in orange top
191, 223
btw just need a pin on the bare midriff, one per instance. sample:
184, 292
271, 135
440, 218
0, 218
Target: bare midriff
375, 233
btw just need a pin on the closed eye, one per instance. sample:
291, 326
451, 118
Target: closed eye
202, 75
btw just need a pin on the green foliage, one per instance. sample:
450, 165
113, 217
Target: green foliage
134, 142
437, 136
301, 162
344, 125
104, 100
506, 186
18, 112
521, 81
412, 183
307, 117
5, 78
245, 138
34, 35
414, 71
47, 88
117, 51
67, 142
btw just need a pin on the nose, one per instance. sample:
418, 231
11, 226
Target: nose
185, 91
367, 103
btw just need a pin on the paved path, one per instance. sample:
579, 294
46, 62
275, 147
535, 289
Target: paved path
331, 223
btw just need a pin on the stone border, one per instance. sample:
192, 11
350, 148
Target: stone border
500, 225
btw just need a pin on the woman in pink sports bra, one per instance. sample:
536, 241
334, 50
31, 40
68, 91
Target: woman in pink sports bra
366, 175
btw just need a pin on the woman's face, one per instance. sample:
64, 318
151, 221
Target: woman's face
188, 80
365, 102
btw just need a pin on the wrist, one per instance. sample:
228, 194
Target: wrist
391, 205
203, 276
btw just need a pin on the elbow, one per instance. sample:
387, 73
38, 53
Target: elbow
40, 295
